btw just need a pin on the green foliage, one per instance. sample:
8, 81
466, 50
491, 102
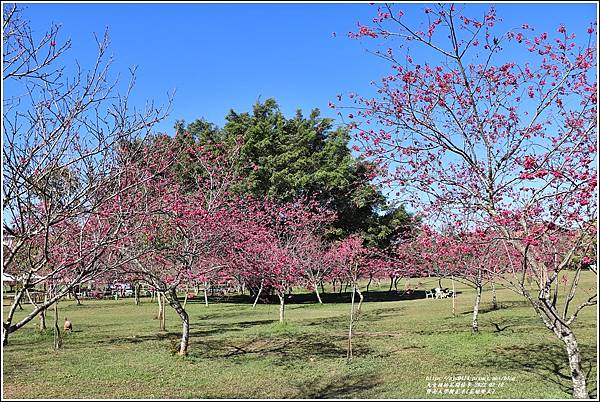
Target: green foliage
287, 158
395, 223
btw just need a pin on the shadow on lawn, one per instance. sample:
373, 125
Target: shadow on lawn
285, 350
549, 362
341, 386
175, 334
328, 298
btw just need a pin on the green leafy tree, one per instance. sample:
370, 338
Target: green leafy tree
284, 159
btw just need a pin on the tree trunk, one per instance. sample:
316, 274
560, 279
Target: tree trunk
18, 297
391, 284
318, 295
369, 284
453, 298
136, 293
322, 288
43, 314
206, 294
577, 374
161, 311
360, 301
494, 299
171, 296
258, 294
57, 337
562, 330
349, 350
281, 295
8, 327
43, 320
475, 325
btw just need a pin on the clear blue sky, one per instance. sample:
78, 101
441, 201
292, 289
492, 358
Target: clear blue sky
223, 56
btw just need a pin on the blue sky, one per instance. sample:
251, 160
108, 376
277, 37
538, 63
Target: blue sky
223, 56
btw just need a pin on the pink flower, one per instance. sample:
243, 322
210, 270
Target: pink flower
529, 162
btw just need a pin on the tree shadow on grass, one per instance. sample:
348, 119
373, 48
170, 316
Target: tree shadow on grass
196, 332
549, 362
221, 328
330, 298
501, 306
341, 321
341, 386
295, 347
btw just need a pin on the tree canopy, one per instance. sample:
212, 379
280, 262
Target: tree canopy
283, 159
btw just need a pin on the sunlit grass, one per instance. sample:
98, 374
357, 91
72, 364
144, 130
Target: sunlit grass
117, 351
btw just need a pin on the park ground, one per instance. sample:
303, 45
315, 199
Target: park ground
117, 351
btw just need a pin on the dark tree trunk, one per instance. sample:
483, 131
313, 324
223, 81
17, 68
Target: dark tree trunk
136, 293
42, 320
57, 336
43, 314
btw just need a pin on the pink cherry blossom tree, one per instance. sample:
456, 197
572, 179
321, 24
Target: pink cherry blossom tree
349, 258
498, 125
186, 233
61, 160
275, 245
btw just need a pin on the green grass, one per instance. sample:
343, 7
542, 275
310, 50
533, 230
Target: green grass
236, 351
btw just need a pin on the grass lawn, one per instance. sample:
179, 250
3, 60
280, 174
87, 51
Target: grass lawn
117, 351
